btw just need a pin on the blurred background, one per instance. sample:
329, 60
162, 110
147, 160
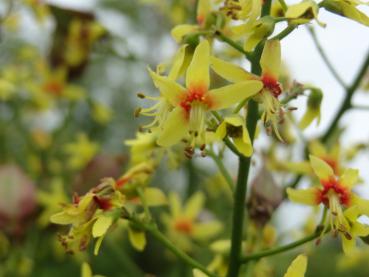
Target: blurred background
69, 74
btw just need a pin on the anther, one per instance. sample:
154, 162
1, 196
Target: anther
141, 95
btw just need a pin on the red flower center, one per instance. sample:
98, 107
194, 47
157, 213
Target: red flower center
195, 94
184, 226
333, 186
271, 84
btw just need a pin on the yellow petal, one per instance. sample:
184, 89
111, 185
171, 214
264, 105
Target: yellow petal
62, 218
155, 197
229, 71
349, 177
244, 146
175, 204
297, 267
303, 196
227, 96
305, 10
194, 205
203, 8
206, 230
221, 131
352, 12
180, 31
168, 88
101, 225
171, 134
321, 168
137, 239
177, 63
98, 245
198, 273
86, 270
348, 245
198, 71
270, 60
359, 229
317, 149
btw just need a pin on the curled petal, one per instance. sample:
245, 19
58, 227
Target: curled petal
178, 61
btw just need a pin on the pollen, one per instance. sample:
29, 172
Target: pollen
195, 94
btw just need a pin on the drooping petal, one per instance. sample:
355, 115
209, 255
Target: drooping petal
297, 267
194, 205
270, 61
349, 177
137, 238
86, 270
174, 128
227, 96
198, 71
203, 8
321, 168
206, 230
178, 60
229, 71
168, 88
303, 196
180, 31
101, 225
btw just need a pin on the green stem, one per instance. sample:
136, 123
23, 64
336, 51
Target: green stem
346, 104
233, 44
283, 5
243, 174
285, 32
280, 249
222, 169
153, 230
360, 107
141, 195
325, 57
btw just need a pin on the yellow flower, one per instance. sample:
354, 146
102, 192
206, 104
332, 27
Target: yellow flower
303, 12
297, 267
235, 127
80, 152
183, 224
268, 95
347, 8
337, 196
193, 102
